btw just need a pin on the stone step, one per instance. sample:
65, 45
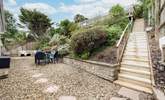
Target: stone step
137, 41
135, 80
135, 64
137, 73
137, 46
134, 86
138, 37
136, 67
136, 59
136, 50
131, 43
136, 55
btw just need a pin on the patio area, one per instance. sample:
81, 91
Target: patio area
27, 81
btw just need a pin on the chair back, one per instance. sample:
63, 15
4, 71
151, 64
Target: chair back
40, 55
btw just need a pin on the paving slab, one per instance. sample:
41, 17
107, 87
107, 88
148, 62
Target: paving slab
41, 80
159, 94
129, 93
67, 98
51, 89
117, 98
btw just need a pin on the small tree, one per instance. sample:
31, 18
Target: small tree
11, 24
117, 11
79, 18
37, 22
11, 30
66, 27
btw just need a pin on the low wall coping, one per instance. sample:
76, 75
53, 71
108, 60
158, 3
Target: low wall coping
95, 62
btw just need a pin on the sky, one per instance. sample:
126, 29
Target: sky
58, 10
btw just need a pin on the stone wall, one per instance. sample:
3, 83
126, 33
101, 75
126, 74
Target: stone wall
103, 70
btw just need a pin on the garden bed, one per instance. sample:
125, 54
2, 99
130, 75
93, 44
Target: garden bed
159, 73
107, 55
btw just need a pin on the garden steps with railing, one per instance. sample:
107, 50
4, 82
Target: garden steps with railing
135, 69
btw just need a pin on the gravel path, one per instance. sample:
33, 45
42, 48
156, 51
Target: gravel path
51, 82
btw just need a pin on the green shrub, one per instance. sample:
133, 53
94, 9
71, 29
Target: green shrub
117, 11
88, 40
85, 55
59, 39
114, 33
43, 43
63, 49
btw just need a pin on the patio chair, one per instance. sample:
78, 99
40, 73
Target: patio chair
56, 57
40, 57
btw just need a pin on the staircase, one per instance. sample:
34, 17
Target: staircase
135, 67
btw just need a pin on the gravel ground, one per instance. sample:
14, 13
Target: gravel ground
51, 82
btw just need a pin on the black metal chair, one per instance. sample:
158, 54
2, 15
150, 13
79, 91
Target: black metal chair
56, 57
40, 57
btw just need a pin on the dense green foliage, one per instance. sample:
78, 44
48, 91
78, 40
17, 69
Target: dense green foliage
117, 11
88, 40
79, 18
114, 33
12, 35
138, 11
37, 22
141, 9
105, 32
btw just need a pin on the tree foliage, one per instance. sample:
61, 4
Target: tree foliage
117, 11
37, 22
11, 34
10, 24
79, 18
66, 27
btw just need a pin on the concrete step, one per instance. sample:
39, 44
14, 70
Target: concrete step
135, 64
137, 73
134, 86
135, 80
